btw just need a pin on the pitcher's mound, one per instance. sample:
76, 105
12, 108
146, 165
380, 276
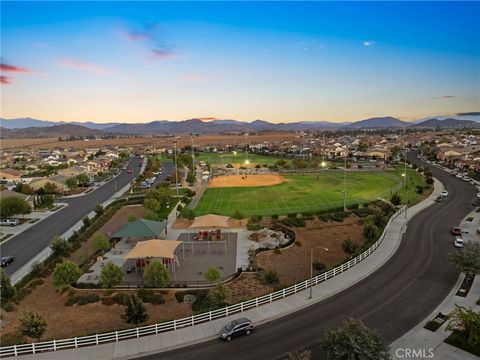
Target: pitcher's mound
243, 180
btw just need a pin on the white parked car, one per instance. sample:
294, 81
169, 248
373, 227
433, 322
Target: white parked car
460, 176
9, 222
459, 242
444, 193
466, 178
478, 195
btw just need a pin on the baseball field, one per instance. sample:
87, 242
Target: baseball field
295, 193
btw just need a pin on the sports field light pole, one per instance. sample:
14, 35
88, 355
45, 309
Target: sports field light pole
345, 181
311, 267
176, 167
193, 158
235, 165
247, 162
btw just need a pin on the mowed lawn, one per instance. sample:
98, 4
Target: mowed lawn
230, 158
300, 193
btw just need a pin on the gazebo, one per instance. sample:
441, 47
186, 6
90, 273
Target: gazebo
141, 228
211, 222
154, 248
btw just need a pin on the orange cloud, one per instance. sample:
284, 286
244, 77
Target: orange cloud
83, 66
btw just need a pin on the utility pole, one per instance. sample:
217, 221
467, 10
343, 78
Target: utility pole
193, 157
176, 167
345, 180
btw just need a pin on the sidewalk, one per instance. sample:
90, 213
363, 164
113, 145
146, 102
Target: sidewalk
265, 313
425, 340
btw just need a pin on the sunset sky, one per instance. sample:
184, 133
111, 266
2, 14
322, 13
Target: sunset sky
280, 62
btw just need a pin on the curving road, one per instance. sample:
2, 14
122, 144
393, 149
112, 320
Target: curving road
26, 245
394, 299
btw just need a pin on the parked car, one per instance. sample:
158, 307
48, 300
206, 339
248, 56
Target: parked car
444, 193
9, 222
439, 198
242, 326
476, 202
478, 195
5, 260
466, 178
129, 171
460, 176
458, 242
124, 168
456, 231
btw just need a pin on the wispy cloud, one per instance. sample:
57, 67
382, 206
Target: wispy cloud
77, 64
5, 80
15, 69
368, 43
194, 78
154, 37
444, 97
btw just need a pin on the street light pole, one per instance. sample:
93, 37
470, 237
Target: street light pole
193, 157
176, 167
345, 180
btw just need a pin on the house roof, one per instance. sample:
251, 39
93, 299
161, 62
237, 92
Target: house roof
8, 193
141, 228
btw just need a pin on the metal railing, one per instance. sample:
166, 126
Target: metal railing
97, 339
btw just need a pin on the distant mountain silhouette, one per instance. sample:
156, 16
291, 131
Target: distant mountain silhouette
63, 130
378, 122
447, 123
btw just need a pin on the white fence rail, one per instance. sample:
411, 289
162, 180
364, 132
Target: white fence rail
54, 345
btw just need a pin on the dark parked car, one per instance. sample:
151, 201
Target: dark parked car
238, 327
440, 198
5, 260
456, 231
476, 202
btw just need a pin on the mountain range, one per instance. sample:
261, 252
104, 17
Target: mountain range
31, 128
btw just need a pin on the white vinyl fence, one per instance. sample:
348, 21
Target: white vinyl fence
97, 339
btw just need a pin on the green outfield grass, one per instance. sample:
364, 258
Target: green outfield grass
299, 194
230, 158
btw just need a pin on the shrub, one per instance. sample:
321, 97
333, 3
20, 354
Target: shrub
255, 218
275, 216
268, 277
293, 222
60, 246
7, 290
298, 243
145, 295
7, 306
292, 215
396, 199
131, 218
157, 299
180, 296
429, 180
253, 227
72, 300
89, 299
120, 298
107, 300
277, 251
100, 243
37, 268
370, 231
238, 215
32, 325
349, 247
363, 212
135, 312
353, 207
319, 266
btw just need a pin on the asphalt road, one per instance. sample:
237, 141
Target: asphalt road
29, 243
394, 299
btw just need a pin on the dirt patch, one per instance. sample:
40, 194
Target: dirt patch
119, 219
293, 263
246, 287
69, 321
246, 181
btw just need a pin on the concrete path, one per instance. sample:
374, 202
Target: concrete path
424, 341
263, 314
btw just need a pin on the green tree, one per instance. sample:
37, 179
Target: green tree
396, 199
354, 340
32, 325
349, 247
66, 273
161, 194
60, 246
50, 188
11, 206
99, 210
7, 290
100, 243
212, 275
467, 322
135, 312
111, 275
83, 179
191, 178
467, 260
156, 275
72, 183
